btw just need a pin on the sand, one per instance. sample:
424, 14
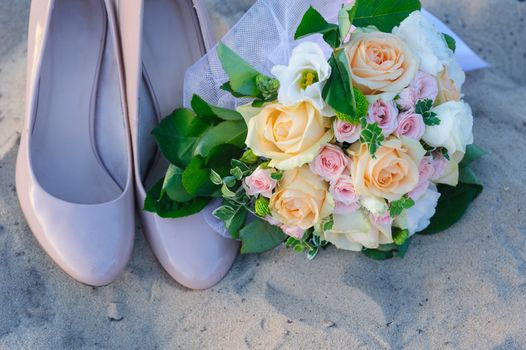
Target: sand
463, 289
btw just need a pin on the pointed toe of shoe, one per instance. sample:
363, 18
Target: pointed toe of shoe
190, 251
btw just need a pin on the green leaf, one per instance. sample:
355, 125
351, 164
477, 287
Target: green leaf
278, 175
451, 42
227, 193
314, 23
338, 91
345, 19
228, 88
454, 202
237, 173
204, 109
388, 251
233, 215
196, 178
397, 207
221, 157
241, 74
385, 15
178, 134
373, 137
173, 185
216, 178
228, 132
473, 152
249, 157
259, 236
162, 205
423, 107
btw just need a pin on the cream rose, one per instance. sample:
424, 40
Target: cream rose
380, 62
356, 230
288, 136
301, 199
447, 88
455, 130
394, 171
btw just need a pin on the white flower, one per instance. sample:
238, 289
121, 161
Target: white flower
375, 205
426, 42
455, 130
418, 217
356, 230
304, 78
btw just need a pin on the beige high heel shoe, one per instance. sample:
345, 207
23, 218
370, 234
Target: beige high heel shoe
74, 170
174, 35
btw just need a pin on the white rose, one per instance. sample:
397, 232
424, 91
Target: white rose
304, 78
455, 130
426, 42
375, 205
418, 217
356, 230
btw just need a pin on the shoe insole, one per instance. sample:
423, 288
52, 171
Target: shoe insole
78, 133
172, 42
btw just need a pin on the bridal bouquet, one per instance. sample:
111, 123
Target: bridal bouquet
360, 141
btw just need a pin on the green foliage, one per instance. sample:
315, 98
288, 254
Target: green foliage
178, 134
173, 185
213, 113
345, 19
388, 251
384, 15
423, 107
233, 215
396, 208
451, 42
372, 136
314, 23
454, 201
277, 175
226, 133
338, 91
196, 178
262, 207
241, 74
259, 236
249, 157
473, 152
157, 201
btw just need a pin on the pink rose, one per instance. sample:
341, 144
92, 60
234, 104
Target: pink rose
411, 125
440, 165
260, 183
346, 132
382, 220
426, 172
344, 194
423, 87
330, 163
385, 114
295, 232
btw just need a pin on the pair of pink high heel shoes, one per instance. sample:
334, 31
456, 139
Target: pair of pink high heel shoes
101, 74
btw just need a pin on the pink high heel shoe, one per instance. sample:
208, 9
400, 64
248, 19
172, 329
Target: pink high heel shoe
74, 170
174, 35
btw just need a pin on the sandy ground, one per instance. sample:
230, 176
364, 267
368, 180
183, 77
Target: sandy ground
463, 289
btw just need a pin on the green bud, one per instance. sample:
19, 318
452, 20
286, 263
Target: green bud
262, 207
268, 86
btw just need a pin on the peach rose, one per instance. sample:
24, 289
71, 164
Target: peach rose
301, 200
447, 89
288, 136
380, 62
392, 174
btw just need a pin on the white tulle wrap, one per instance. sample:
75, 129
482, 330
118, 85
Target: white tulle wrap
264, 37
